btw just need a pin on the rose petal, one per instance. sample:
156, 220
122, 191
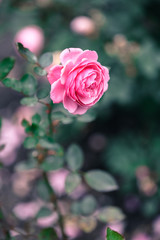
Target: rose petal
87, 100
57, 92
80, 110
106, 78
67, 68
54, 73
70, 54
70, 105
105, 87
87, 54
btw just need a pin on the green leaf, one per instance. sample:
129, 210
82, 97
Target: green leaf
72, 182
29, 101
8, 82
17, 86
12, 83
46, 59
48, 234
46, 143
0, 123
32, 129
88, 205
74, 157
30, 142
67, 120
100, 181
6, 66
25, 123
29, 84
87, 117
150, 207
26, 53
43, 191
52, 163
76, 208
43, 91
36, 118
60, 116
26, 165
112, 235
40, 71
110, 214
44, 212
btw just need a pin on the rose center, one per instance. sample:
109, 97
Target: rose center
92, 86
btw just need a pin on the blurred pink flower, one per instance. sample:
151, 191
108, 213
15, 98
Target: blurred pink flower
57, 180
71, 229
146, 182
27, 210
12, 137
79, 82
156, 226
14, 233
31, 37
117, 226
142, 171
47, 221
22, 181
79, 191
83, 25
141, 236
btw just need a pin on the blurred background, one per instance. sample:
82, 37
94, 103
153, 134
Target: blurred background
124, 137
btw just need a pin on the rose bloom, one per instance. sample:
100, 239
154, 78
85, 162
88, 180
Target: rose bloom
31, 37
79, 82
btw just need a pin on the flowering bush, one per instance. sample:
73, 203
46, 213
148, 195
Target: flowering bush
53, 169
79, 82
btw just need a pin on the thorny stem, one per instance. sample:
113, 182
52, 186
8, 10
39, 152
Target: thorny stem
55, 203
53, 196
44, 103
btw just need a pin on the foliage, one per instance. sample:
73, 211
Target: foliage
45, 161
112, 235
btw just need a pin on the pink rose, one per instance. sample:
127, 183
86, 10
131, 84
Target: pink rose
79, 82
